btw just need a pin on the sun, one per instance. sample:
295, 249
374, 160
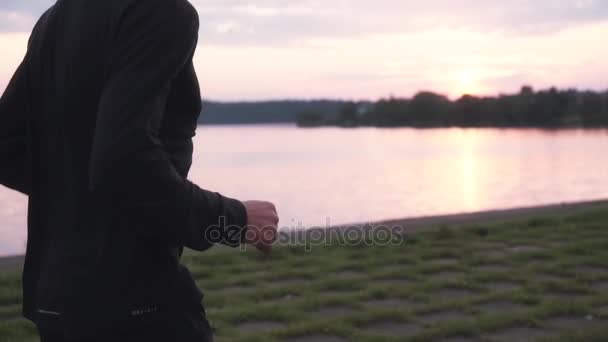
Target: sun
468, 82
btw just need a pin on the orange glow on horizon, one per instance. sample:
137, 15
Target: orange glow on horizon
468, 83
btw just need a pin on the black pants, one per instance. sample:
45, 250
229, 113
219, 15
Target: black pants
187, 326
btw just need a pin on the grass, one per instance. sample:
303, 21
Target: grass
544, 277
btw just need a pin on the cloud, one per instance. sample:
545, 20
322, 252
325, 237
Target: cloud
270, 22
285, 22
368, 49
13, 21
20, 16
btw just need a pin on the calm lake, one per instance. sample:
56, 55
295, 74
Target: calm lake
341, 176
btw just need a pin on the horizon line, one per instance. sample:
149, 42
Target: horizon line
393, 96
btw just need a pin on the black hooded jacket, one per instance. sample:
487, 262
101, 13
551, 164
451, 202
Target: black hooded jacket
96, 128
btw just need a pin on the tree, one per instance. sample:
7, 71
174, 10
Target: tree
528, 108
591, 107
390, 112
429, 109
309, 119
349, 116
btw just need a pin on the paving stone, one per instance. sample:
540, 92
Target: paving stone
573, 323
492, 268
519, 334
441, 317
446, 276
290, 282
395, 271
600, 286
590, 270
522, 249
558, 244
334, 311
395, 282
317, 338
261, 326
603, 310
564, 297
445, 261
450, 294
549, 278
236, 289
536, 265
390, 303
339, 292
491, 246
394, 329
282, 299
349, 274
500, 307
257, 274
502, 285
494, 254
459, 339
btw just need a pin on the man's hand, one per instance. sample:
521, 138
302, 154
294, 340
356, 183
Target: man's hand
262, 225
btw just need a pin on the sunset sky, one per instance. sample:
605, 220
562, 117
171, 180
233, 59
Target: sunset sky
364, 49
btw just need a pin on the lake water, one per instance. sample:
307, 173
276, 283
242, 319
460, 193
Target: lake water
341, 176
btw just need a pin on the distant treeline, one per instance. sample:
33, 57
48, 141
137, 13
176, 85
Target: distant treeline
528, 108
222, 113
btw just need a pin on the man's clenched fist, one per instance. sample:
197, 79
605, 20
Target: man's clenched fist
262, 225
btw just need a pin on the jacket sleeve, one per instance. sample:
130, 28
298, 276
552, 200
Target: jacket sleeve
181, 119
131, 173
14, 118
179, 127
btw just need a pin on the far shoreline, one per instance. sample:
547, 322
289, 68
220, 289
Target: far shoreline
419, 224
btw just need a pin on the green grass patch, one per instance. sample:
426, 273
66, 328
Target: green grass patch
543, 267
